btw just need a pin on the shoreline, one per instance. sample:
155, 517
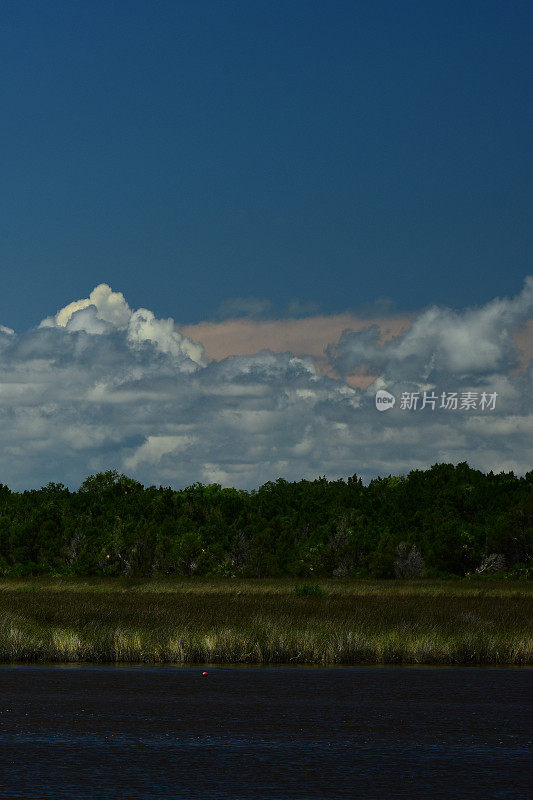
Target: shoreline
122, 665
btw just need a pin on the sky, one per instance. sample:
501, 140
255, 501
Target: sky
263, 213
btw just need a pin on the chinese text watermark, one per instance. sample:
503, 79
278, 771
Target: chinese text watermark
447, 401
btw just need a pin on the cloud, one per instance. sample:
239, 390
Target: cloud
106, 311
156, 447
299, 308
110, 307
305, 337
144, 327
259, 308
472, 343
251, 307
101, 386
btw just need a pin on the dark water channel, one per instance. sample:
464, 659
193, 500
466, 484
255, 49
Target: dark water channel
264, 733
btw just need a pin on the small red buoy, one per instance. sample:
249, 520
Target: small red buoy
204, 673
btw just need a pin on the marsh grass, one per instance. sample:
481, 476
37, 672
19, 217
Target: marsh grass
264, 621
308, 590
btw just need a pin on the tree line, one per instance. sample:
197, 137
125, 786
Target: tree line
449, 520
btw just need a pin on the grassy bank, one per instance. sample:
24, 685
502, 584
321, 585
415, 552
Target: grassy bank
265, 621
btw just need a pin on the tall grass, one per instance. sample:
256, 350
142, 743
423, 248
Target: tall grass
266, 621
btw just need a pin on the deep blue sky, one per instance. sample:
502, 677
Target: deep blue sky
190, 152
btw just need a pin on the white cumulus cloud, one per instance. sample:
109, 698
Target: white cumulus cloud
101, 386
441, 341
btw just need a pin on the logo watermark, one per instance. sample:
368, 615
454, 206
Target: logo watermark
384, 400
447, 401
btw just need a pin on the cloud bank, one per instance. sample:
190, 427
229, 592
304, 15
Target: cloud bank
100, 386
308, 336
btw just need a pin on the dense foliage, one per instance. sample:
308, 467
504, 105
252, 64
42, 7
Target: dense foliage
447, 520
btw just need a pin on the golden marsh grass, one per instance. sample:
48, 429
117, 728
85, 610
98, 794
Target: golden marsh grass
264, 622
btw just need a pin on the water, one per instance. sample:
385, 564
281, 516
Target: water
264, 733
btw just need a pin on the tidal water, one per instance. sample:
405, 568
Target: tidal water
277, 733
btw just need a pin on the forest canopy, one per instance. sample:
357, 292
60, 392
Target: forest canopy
444, 521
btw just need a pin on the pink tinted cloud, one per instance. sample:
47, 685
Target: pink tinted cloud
310, 336
524, 341
304, 337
